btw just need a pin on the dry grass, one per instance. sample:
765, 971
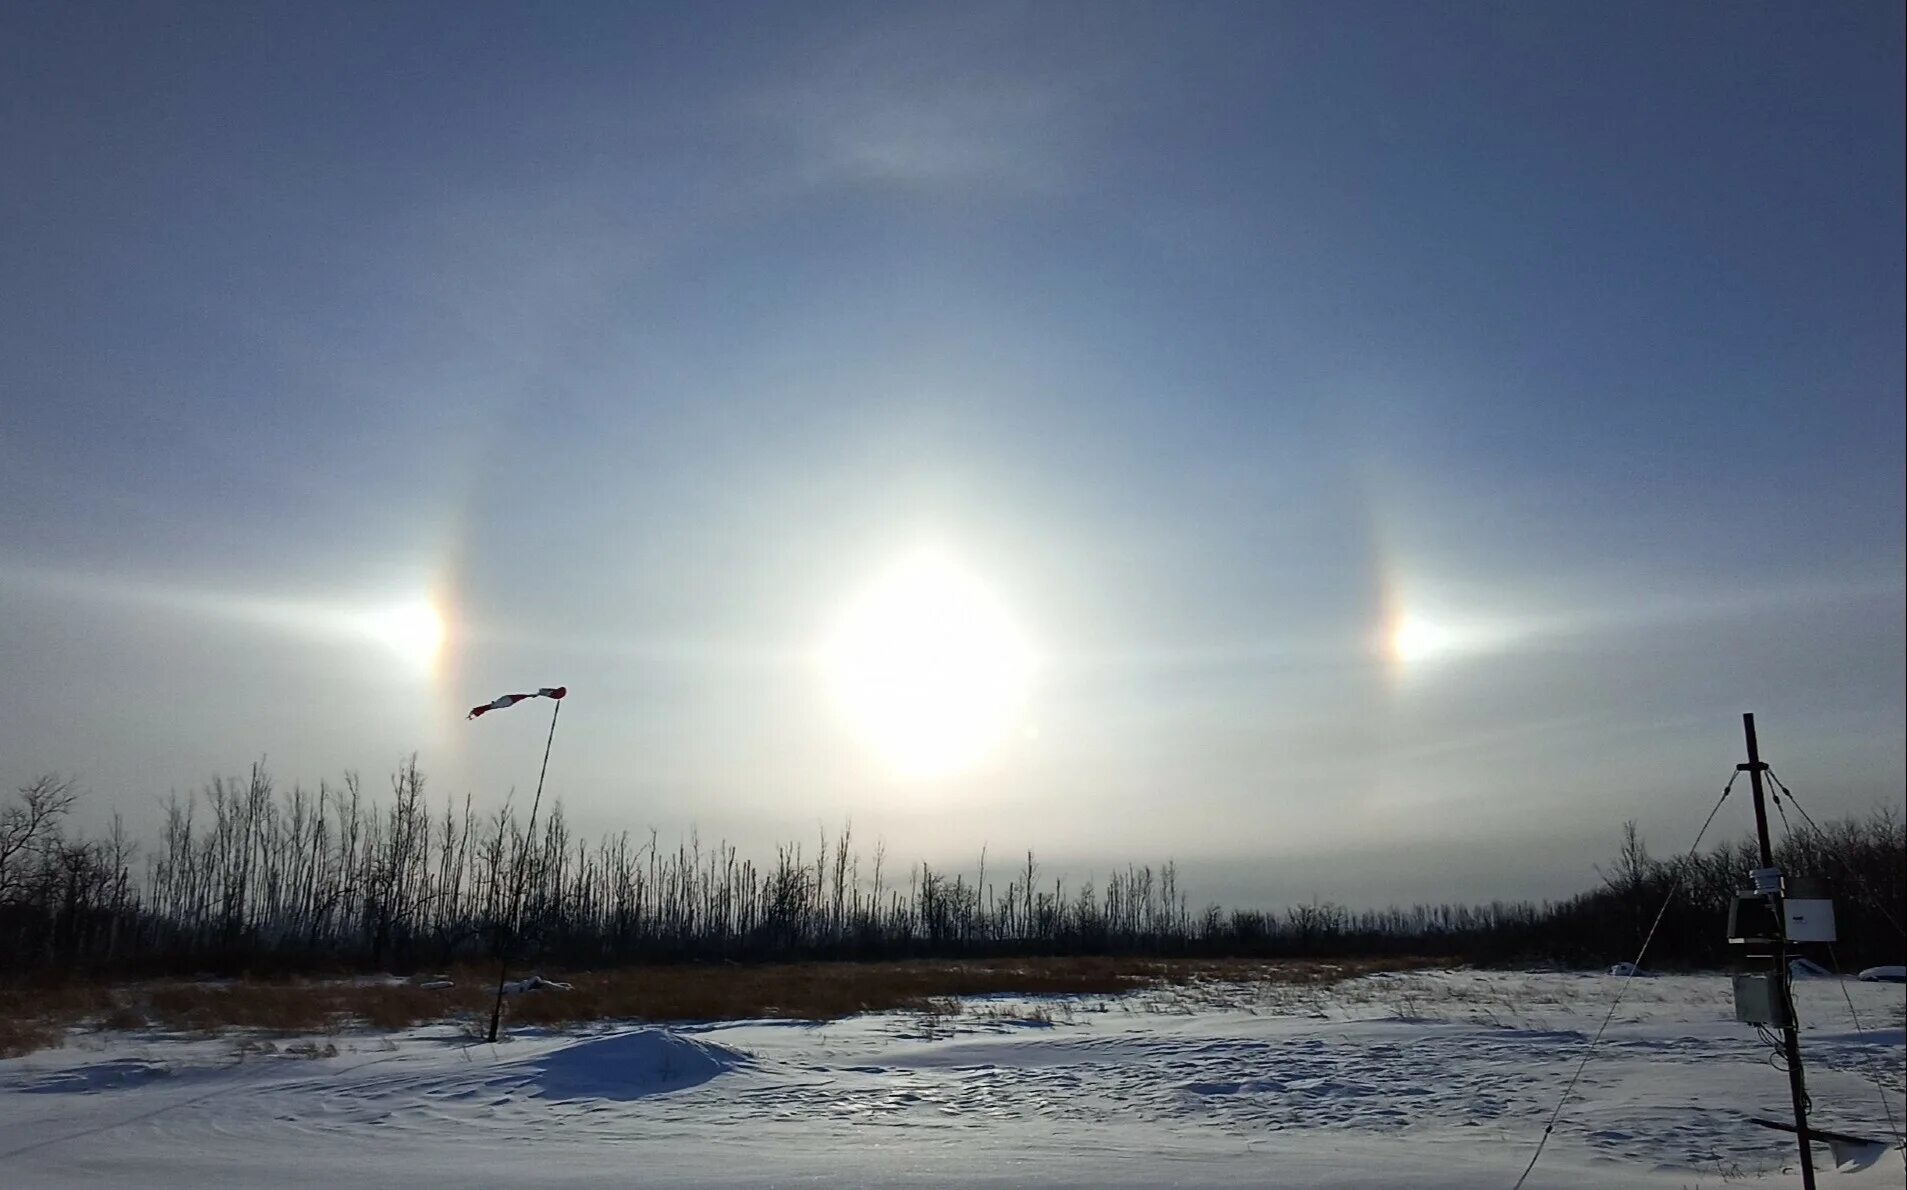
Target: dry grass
24, 1036
32, 1017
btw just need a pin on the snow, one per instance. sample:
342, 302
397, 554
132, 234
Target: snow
1433, 1080
624, 1066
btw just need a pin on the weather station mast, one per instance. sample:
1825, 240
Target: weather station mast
1772, 915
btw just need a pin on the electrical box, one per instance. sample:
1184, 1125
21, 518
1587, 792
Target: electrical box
1758, 1001
1809, 919
1751, 918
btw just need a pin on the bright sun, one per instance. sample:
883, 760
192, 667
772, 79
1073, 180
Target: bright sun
929, 667
414, 631
1415, 639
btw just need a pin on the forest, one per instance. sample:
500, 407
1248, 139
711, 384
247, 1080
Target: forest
246, 877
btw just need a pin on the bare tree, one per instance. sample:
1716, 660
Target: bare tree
30, 830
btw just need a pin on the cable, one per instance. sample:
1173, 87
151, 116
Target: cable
1787, 828
1867, 890
1840, 975
1887, 1105
1680, 879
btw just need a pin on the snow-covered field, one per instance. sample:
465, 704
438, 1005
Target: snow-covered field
1440, 1079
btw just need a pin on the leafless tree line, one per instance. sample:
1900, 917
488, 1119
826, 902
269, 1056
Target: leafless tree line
248, 876
1859, 863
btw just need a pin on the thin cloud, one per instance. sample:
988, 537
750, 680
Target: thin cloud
887, 110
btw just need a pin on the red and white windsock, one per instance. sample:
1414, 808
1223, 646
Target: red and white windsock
510, 700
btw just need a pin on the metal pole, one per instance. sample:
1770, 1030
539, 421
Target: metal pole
516, 881
1790, 1032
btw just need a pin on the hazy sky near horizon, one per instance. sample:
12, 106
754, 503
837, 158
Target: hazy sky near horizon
1401, 439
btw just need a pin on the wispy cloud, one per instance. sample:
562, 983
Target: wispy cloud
911, 107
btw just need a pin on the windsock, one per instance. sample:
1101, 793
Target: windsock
510, 700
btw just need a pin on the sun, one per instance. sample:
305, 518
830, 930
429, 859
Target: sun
1414, 639
413, 631
927, 665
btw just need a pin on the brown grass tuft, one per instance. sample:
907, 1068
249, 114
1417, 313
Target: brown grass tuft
24, 1036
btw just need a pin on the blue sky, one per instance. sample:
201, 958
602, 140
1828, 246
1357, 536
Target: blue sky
1216, 341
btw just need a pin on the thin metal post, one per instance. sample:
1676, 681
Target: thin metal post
1790, 1032
516, 881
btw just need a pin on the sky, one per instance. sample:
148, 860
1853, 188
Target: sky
1364, 451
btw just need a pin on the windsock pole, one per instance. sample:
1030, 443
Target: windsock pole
508, 929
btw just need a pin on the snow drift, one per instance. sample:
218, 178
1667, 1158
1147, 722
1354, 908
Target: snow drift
626, 1066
